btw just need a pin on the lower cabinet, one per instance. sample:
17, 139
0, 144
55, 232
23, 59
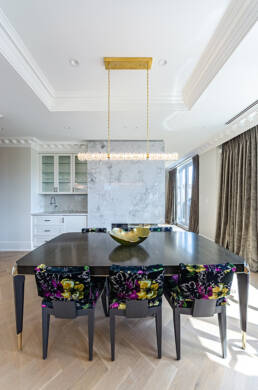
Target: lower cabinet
47, 227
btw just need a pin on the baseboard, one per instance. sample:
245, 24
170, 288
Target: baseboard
19, 246
208, 238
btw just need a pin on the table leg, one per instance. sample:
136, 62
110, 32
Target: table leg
243, 287
18, 285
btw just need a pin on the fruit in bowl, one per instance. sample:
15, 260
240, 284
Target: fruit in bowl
131, 238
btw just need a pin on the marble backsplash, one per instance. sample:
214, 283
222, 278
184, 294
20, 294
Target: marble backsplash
63, 202
125, 191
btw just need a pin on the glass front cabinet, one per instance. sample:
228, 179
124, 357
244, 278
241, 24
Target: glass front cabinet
63, 174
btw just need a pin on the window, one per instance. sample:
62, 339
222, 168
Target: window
184, 193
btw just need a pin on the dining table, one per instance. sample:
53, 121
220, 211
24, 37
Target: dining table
99, 251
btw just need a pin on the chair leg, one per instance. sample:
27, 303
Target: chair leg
112, 334
176, 319
104, 302
91, 319
222, 317
158, 320
45, 331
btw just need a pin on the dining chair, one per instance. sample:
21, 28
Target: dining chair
94, 230
67, 292
200, 291
161, 229
135, 292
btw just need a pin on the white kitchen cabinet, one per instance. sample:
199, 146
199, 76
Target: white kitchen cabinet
62, 174
74, 223
46, 227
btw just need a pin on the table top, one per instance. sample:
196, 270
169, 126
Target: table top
100, 251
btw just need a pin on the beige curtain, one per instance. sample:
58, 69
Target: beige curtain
171, 198
237, 222
194, 208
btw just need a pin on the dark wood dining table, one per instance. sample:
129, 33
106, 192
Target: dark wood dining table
99, 252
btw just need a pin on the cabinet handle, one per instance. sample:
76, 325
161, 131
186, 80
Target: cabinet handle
47, 220
47, 230
63, 220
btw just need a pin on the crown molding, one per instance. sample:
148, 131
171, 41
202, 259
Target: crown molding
238, 19
19, 57
44, 147
243, 123
234, 25
79, 102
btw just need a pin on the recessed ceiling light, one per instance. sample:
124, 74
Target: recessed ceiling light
73, 62
1, 116
162, 62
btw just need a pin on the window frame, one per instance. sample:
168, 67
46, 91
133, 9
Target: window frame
184, 167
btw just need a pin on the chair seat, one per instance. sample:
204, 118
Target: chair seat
188, 303
121, 305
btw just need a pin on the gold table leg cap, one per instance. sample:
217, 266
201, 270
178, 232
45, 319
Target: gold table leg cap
243, 340
19, 340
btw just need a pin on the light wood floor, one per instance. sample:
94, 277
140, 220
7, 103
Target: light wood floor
136, 366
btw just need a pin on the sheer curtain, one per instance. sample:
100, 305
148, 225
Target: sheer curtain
194, 208
171, 198
237, 222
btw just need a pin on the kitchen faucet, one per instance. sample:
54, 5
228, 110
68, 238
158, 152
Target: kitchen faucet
53, 201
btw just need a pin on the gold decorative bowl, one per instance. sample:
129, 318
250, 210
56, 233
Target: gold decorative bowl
131, 238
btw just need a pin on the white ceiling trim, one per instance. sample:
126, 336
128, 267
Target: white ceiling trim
19, 57
41, 146
238, 19
246, 121
235, 24
99, 103
243, 123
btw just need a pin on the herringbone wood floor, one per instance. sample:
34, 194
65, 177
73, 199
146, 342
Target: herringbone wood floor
136, 366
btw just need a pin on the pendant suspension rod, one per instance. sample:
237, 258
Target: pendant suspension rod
147, 114
108, 141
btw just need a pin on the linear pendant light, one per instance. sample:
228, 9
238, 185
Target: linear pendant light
134, 63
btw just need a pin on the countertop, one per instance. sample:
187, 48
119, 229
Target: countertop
60, 213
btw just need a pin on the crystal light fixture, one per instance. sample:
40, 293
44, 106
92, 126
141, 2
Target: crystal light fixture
128, 63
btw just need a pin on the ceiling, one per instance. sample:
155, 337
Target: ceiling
210, 74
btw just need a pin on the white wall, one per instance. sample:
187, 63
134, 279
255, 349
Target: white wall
15, 198
208, 192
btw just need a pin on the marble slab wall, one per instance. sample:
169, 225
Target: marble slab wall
125, 191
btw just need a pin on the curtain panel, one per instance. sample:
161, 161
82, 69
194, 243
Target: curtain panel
194, 208
171, 198
237, 220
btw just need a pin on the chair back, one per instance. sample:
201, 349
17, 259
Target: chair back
195, 283
135, 284
95, 230
161, 229
64, 284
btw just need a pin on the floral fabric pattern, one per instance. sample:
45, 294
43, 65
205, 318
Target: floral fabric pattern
135, 283
67, 284
161, 229
200, 282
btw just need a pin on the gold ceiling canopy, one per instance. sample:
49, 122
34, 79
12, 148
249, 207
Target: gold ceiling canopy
137, 63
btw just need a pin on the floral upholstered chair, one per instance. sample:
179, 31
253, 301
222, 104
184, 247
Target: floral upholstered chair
135, 292
67, 292
201, 291
161, 229
94, 230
